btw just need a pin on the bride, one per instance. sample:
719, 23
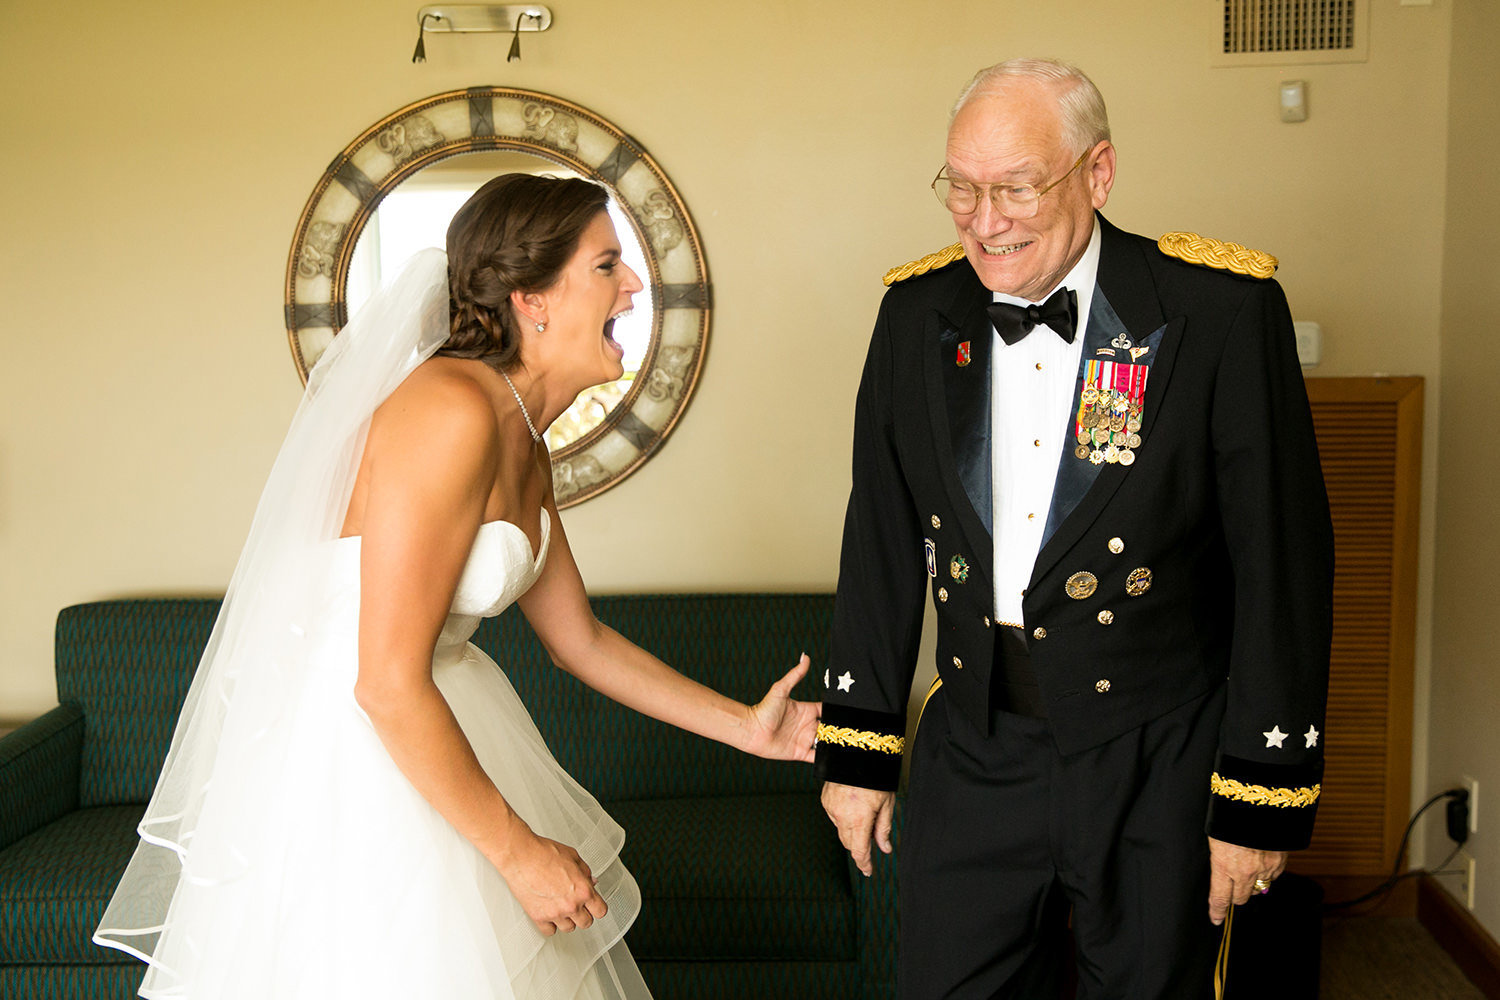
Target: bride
355, 803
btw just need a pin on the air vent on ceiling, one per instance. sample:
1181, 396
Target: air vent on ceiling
1262, 32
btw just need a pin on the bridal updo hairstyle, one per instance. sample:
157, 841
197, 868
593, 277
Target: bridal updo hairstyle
515, 234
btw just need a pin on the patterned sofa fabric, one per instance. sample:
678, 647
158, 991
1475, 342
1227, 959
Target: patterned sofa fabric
746, 890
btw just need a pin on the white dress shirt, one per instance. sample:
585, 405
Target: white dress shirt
1032, 384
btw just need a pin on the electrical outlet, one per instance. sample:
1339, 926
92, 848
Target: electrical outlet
1466, 878
1473, 787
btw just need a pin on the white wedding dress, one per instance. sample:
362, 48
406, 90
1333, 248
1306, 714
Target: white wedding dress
325, 874
283, 854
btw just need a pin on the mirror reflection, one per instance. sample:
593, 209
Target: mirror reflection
415, 214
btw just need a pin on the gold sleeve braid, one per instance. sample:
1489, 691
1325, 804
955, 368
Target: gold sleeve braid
861, 739
1208, 252
1260, 795
922, 265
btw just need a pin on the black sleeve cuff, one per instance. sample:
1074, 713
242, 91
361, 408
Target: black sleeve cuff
1268, 807
860, 747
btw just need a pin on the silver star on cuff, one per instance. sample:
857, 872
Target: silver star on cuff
846, 681
1274, 737
1311, 736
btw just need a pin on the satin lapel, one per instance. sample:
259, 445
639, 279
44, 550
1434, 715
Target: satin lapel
1126, 282
958, 402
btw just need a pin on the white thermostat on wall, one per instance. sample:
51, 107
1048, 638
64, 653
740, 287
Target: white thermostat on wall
1309, 342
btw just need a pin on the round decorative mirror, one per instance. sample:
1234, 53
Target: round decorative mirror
392, 191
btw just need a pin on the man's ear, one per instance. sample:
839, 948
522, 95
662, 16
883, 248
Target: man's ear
1101, 172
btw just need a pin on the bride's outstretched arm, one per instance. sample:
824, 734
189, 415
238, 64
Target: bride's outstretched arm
428, 470
557, 607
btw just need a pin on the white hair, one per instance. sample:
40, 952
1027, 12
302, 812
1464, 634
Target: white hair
1085, 122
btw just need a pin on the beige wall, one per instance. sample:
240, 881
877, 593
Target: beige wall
160, 155
1466, 631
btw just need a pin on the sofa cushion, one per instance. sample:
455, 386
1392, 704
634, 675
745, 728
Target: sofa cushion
755, 877
128, 665
738, 644
54, 884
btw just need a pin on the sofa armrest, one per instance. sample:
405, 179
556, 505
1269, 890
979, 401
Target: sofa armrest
39, 771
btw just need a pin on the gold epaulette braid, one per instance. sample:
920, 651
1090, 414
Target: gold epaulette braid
861, 739
1197, 249
922, 265
1260, 795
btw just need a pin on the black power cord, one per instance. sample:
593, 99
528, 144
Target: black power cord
1458, 830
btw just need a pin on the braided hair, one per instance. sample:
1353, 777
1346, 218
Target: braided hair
515, 234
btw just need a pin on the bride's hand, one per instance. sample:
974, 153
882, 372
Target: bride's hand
781, 728
552, 884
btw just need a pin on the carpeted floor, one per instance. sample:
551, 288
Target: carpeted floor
1388, 958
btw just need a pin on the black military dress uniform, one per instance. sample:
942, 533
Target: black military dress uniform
1183, 589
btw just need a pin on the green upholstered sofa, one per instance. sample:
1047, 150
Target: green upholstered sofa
747, 892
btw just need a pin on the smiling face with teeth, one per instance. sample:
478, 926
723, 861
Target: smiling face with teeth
1013, 134
577, 349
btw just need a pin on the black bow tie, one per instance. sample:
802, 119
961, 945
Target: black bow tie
1059, 312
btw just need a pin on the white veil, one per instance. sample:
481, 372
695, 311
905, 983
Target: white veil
254, 663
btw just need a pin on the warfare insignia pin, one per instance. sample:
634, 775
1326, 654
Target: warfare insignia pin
963, 354
959, 568
1081, 585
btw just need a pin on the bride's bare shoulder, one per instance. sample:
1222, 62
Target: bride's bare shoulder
444, 398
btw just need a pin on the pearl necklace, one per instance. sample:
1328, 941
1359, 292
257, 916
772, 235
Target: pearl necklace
521, 403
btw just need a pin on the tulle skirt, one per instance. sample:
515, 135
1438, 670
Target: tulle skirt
325, 874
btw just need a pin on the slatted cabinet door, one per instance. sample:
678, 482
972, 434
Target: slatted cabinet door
1370, 442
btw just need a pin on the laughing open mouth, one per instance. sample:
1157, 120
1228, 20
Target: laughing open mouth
1001, 251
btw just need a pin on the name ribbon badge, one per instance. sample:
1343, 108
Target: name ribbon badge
1108, 425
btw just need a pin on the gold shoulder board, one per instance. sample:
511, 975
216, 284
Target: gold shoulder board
1209, 252
922, 265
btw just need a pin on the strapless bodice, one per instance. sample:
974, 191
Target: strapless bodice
501, 567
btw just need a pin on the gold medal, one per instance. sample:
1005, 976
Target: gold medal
1138, 582
1101, 435
1127, 457
1111, 454
1096, 457
1085, 437
1081, 585
1133, 440
1089, 394
1082, 451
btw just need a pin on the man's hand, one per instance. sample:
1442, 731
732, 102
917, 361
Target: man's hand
1233, 871
859, 813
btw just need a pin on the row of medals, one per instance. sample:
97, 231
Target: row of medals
1110, 423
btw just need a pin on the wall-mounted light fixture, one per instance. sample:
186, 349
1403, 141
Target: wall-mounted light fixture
514, 18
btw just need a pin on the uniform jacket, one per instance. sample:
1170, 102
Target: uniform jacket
1222, 514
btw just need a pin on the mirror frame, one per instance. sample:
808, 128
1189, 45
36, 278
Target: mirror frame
502, 118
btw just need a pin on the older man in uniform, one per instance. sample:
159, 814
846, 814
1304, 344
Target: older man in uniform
1096, 450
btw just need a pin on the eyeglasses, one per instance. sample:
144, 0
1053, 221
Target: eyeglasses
1014, 201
